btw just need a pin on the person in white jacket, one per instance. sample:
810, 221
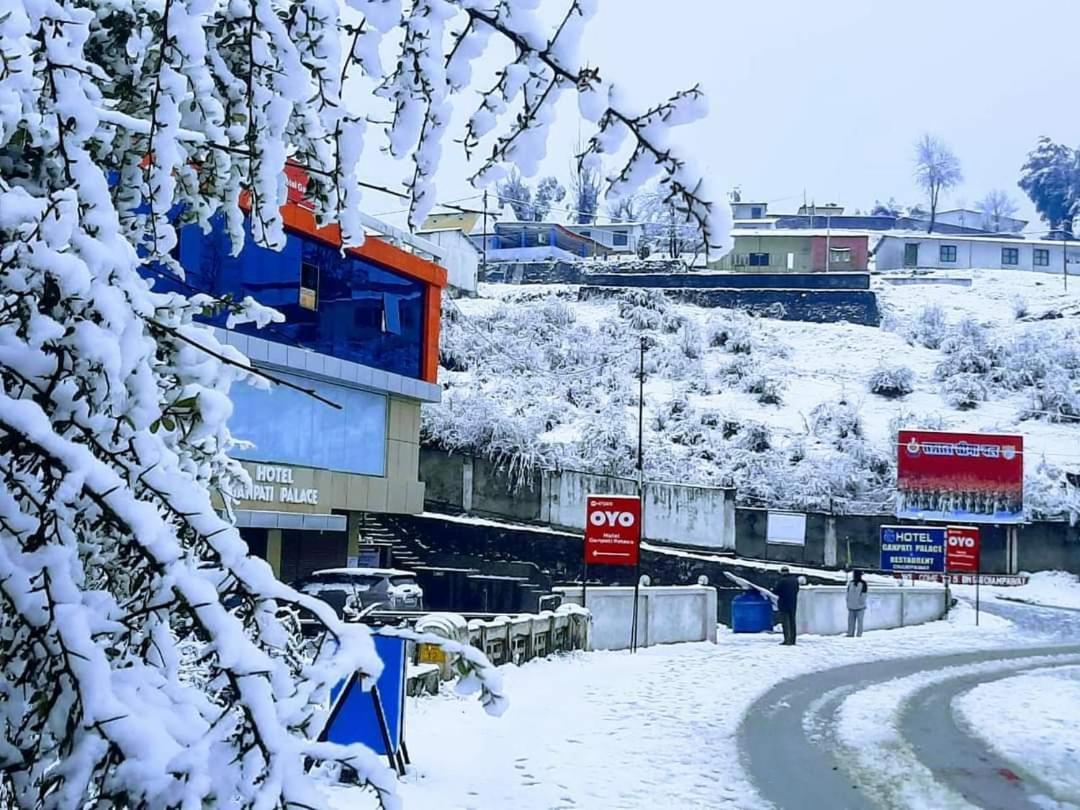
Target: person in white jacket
856, 604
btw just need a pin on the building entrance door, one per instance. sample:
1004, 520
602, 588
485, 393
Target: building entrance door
911, 255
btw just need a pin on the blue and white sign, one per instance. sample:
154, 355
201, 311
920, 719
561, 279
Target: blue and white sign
355, 720
913, 548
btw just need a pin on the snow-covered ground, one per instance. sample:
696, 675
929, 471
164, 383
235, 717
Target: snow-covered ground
1051, 588
882, 759
781, 409
610, 729
1033, 719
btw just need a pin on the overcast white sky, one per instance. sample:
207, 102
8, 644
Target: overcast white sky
830, 96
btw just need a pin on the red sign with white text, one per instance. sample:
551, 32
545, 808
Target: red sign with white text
962, 546
612, 529
961, 477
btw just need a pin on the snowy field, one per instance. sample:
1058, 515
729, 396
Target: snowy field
610, 729
782, 410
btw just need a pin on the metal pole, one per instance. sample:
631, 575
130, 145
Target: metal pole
640, 488
828, 242
484, 238
1064, 259
978, 581
584, 574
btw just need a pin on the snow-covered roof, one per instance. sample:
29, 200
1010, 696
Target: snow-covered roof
800, 232
1010, 241
364, 572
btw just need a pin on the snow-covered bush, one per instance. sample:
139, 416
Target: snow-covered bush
929, 327
1055, 399
964, 391
835, 421
967, 351
766, 390
672, 322
690, 342
891, 381
731, 330
1019, 306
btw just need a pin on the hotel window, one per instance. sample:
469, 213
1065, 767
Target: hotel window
1010, 256
759, 259
1042, 257
309, 286
948, 253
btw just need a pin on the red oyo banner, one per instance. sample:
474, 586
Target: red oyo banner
962, 547
960, 477
612, 529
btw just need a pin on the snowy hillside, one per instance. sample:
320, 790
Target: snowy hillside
793, 414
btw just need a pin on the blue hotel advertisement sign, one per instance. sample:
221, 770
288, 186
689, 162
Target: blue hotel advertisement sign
913, 548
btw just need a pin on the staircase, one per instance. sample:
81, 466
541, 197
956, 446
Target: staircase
374, 530
460, 582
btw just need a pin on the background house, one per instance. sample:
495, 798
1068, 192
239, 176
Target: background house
618, 237
541, 241
970, 218
947, 252
800, 251
749, 210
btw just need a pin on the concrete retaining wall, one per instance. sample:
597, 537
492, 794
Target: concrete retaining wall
688, 515
823, 608
666, 614
673, 513
734, 280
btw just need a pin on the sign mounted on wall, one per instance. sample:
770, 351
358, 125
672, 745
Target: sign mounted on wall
962, 549
962, 477
612, 529
913, 548
786, 529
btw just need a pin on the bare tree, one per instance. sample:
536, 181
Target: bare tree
936, 169
996, 207
625, 209
584, 193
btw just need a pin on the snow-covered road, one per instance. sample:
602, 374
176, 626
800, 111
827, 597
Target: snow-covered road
660, 728
884, 734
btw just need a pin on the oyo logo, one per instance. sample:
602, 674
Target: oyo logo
962, 541
610, 519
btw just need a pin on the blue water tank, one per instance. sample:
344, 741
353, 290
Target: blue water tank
751, 613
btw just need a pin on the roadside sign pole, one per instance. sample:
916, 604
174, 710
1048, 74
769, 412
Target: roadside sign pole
584, 575
640, 488
978, 580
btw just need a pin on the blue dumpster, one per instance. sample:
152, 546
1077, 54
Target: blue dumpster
751, 613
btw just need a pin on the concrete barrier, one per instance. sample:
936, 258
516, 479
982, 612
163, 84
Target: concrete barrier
667, 614
823, 608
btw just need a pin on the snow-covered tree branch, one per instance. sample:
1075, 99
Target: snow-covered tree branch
148, 660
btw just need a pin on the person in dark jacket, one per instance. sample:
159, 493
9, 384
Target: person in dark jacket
787, 593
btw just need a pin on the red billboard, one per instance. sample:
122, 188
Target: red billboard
612, 529
960, 477
962, 546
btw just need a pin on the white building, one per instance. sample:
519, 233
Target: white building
970, 218
911, 251
458, 254
749, 210
619, 237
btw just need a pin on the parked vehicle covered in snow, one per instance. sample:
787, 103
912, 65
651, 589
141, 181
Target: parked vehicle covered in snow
362, 588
